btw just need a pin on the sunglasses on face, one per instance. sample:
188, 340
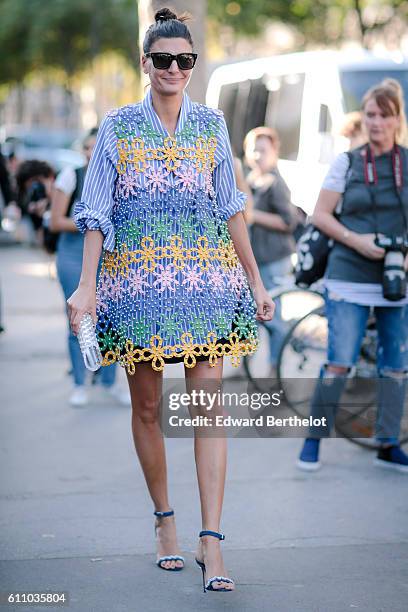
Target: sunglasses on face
163, 61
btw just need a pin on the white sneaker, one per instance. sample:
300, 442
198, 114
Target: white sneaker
120, 394
79, 396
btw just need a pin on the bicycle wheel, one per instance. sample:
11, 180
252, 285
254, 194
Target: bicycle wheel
302, 354
294, 303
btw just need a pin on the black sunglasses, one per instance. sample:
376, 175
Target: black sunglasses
163, 61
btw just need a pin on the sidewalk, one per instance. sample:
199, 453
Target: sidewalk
76, 515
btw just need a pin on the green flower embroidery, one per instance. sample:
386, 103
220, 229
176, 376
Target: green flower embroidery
224, 233
241, 323
189, 132
149, 133
107, 340
162, 227
221, 325
187, 228
212, 129
140, 330
211, 229
197, 325
169, 326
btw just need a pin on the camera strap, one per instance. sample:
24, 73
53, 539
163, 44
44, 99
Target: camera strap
371, 180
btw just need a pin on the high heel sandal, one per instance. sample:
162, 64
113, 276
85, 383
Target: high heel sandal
208, 586
167, 557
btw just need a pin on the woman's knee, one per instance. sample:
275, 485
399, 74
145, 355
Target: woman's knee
146, 410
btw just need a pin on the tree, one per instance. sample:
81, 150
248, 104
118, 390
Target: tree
65, 34
318, 20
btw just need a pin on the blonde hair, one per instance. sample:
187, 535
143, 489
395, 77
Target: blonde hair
389, 97
353, 125
264, 132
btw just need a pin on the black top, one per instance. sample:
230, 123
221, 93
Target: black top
273, 196
357, 214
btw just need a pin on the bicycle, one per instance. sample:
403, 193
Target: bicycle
301, 356
302, 353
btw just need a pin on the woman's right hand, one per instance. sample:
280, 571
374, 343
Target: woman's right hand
365, 245
81, 301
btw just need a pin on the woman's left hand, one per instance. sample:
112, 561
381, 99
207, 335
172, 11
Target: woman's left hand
264, 302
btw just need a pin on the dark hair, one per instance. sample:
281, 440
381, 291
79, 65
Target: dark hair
92, 133
167, 25
32, 168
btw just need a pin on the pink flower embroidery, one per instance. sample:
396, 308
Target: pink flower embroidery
193, 277
235, 279
157, 179
216, 278
187, 179
116, 288
166, 277
101, 305
137, 281
128, 183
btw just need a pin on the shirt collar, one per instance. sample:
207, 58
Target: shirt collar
148, 109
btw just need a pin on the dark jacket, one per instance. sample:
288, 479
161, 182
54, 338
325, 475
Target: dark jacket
273, 196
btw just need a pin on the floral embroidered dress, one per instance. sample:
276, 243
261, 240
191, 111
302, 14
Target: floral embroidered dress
171, 287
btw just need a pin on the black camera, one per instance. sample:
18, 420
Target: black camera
394, 282
36, 192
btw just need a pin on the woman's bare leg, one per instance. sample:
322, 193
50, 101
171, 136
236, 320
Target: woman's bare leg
145, 389
211, 461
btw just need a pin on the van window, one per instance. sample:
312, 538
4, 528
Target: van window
272, 101
356, 82
284, 111
244, 107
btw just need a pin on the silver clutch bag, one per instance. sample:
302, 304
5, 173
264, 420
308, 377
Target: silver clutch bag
89, 344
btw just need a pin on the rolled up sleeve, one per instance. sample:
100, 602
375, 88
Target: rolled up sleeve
229, 199
94, 209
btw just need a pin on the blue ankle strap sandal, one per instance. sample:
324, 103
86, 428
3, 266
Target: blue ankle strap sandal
167, 557
208, 586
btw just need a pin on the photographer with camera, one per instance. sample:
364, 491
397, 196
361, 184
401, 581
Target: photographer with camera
35, 181
363, 206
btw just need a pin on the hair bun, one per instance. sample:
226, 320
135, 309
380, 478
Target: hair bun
164, 14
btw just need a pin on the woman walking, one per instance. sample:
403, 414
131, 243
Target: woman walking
161, 192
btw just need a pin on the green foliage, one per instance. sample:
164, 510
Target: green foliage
315, 19
67, 34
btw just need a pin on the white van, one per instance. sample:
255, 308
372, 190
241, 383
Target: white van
305, 96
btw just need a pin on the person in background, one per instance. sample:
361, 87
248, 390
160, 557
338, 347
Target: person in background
243, 186
354, 130
372, 185
35, 181
67, 190
272, 220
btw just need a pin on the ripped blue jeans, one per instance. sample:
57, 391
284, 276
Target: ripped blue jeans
346, 326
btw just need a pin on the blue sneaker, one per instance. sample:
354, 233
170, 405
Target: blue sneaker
309, 456
392, 458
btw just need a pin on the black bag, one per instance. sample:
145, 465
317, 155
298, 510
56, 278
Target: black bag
312, 249
50, 239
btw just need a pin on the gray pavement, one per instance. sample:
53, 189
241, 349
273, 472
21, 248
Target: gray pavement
75, 514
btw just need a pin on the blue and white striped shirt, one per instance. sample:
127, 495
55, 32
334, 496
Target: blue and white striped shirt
94, 211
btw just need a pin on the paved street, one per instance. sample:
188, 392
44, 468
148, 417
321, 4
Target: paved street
75, 514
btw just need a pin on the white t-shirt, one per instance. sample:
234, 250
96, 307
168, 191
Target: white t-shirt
66, 180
